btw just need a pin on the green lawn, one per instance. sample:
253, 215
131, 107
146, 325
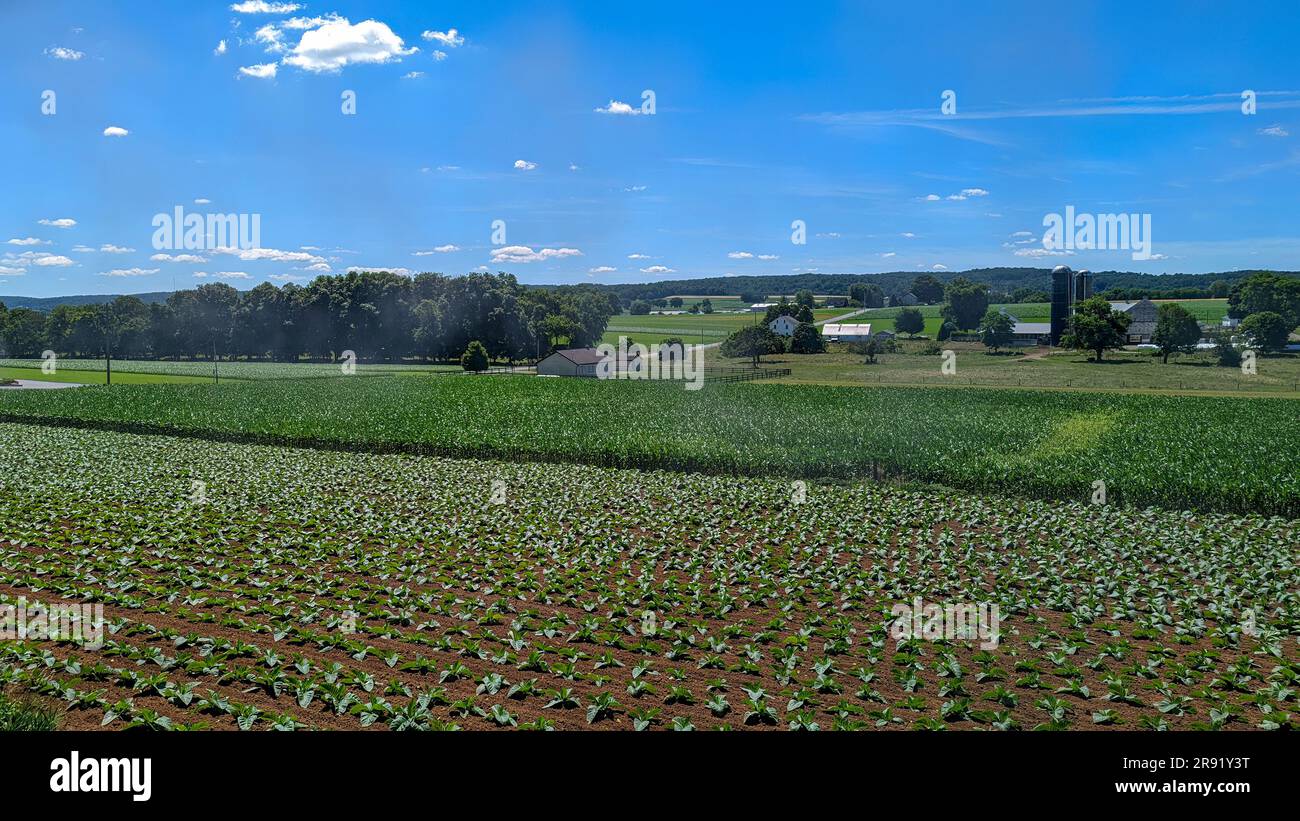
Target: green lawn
692, 328
84, 377
1121, 371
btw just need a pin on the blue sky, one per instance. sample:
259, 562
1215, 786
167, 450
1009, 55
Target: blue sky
764, 114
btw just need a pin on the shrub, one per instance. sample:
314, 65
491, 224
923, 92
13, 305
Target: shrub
475, 357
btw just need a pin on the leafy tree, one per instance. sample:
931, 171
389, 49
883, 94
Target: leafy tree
1266, 329
706, 306
24, 333
782, 308
946, 330
804, 314
753, 297
1177, 331
1096, 327
639, 307
873, 347
909, 321
752, 341
675, 302
1266, 292
928, 289
1226, 352
1021, 295
996, 329
1220, 288
427, 336
967, 302
805, 297
807, 339
475, 357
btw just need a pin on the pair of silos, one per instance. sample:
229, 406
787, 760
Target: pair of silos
1068, 287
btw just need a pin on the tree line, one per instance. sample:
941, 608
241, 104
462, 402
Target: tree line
381, 316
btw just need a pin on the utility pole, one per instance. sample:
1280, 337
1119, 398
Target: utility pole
216, 378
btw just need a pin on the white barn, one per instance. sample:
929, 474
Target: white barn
837, 332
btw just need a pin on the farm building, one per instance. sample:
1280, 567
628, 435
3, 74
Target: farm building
760, 307
783, 325
837, 332
1143, 319
835, 301
571, 362
1032, 333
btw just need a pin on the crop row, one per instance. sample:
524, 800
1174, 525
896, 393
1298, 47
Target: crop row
1195, 453
276, 588
228, 370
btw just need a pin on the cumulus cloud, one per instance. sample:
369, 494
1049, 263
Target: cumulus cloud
220, 49
16, 272
28, 241
638, 256
115, 131
658, 269
524, 254
61, 53
62, 222
272, 254
339, 43
740, 255
619, 107
129, 272
177, 258
286, 277
601, 269
109, 248
450, 38
525, 165
262, 71
263, 7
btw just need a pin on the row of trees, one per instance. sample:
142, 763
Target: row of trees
380, 315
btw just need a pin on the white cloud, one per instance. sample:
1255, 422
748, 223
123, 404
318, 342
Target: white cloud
129, 272
28, 241
286, 277
16, 272
1274, 131
524, 254
273, 254
619, 107
441, 249
658, 269
638, 256
889, 254
62, 222
262, 71
439, 56
907, 235
1040, 252
768, 256
61, 53
1023, 234
230, 275
740, 255
177, 258
413, 75
115, 131
525, 165
320, 267
203, 201
450, 38
601, 269
340, 43
634, 188
263, 7
220, 49
829, 235
932, 197
573, 167
974, 192
272, 37
115, 249
938, 266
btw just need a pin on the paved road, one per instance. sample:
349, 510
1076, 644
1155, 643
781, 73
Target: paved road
36, 384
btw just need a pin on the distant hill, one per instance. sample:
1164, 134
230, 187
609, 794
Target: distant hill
48, 303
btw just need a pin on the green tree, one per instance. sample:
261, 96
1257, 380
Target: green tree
706, 306
807, 339
967, 302
1177, 331
24, 333
639, 307
1266, 291
804, 314
752, 341
675, 302
1267, 330
996, 329
909, 321
928, 289
946, 330
1096, 327
805, 297
475, 357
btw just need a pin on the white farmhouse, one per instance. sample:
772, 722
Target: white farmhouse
783, 325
